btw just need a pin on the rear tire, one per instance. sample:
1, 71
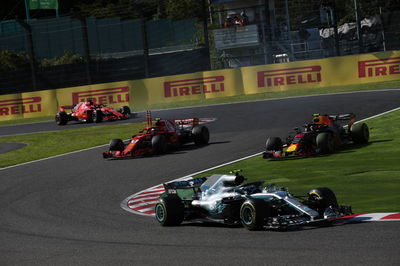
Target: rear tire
61, 118
169, 211
359, 133
126, 111
116, 145
273, 144
253, 213
325, 142
97, 116
159, 144
201, 135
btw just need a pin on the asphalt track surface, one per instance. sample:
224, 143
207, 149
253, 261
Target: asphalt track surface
66, 210
21, 129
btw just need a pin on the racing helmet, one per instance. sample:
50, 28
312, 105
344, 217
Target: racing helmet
316, 118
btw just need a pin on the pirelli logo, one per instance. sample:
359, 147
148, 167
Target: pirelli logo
102, 96
21, 106
379, 67
289, 76
188, 87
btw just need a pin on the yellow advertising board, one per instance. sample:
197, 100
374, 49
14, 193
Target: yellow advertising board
195, 86
115, 94
44, 105
11, 106
378, 67
167, 89
230, 83
27, 105
280, 77
336, 71
139, 94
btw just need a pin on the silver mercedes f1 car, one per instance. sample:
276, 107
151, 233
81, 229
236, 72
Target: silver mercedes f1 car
225, 199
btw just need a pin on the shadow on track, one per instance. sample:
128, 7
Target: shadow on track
293, 228
177, 150
348, 148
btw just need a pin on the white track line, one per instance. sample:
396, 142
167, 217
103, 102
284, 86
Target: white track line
56, 156
384, 113
273, 99
124, 204
52, 157
258, 153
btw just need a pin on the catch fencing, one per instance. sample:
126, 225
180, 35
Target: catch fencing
116, 49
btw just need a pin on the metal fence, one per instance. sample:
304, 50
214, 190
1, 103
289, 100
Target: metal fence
293, 34
111, 49
109, 37
115, 49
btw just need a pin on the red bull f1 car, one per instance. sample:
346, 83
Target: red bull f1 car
157, 137
225, 199
323, 135
90, 112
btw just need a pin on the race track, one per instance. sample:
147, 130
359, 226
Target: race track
66, 210
36, 127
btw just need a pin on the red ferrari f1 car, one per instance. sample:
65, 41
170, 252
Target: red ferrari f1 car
90, 112
324, 135
157, 137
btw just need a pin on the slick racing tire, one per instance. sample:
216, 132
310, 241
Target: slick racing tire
116, 145
201, 135
169, 211
359, 133
253, 213
90, 117
126, 111
159, 144
273, 144
61, 118
97, 116
325, 142
323, 198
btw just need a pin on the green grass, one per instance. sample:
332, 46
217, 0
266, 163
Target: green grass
26, 120
366, 177
42, 145
241, 98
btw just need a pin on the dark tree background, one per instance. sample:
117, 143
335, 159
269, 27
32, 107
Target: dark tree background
150, 9
180, 9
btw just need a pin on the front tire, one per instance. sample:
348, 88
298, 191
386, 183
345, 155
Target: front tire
273, 144
159, 144
201, 135
322, 198
325, 142
253, 213
116, 145
169, 211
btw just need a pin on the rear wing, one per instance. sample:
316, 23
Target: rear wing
191, 122
349, 116
185, 184
68, 106
64, 107
182, 123
330, 119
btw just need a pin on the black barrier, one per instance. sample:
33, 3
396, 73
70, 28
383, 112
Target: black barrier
104, 70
